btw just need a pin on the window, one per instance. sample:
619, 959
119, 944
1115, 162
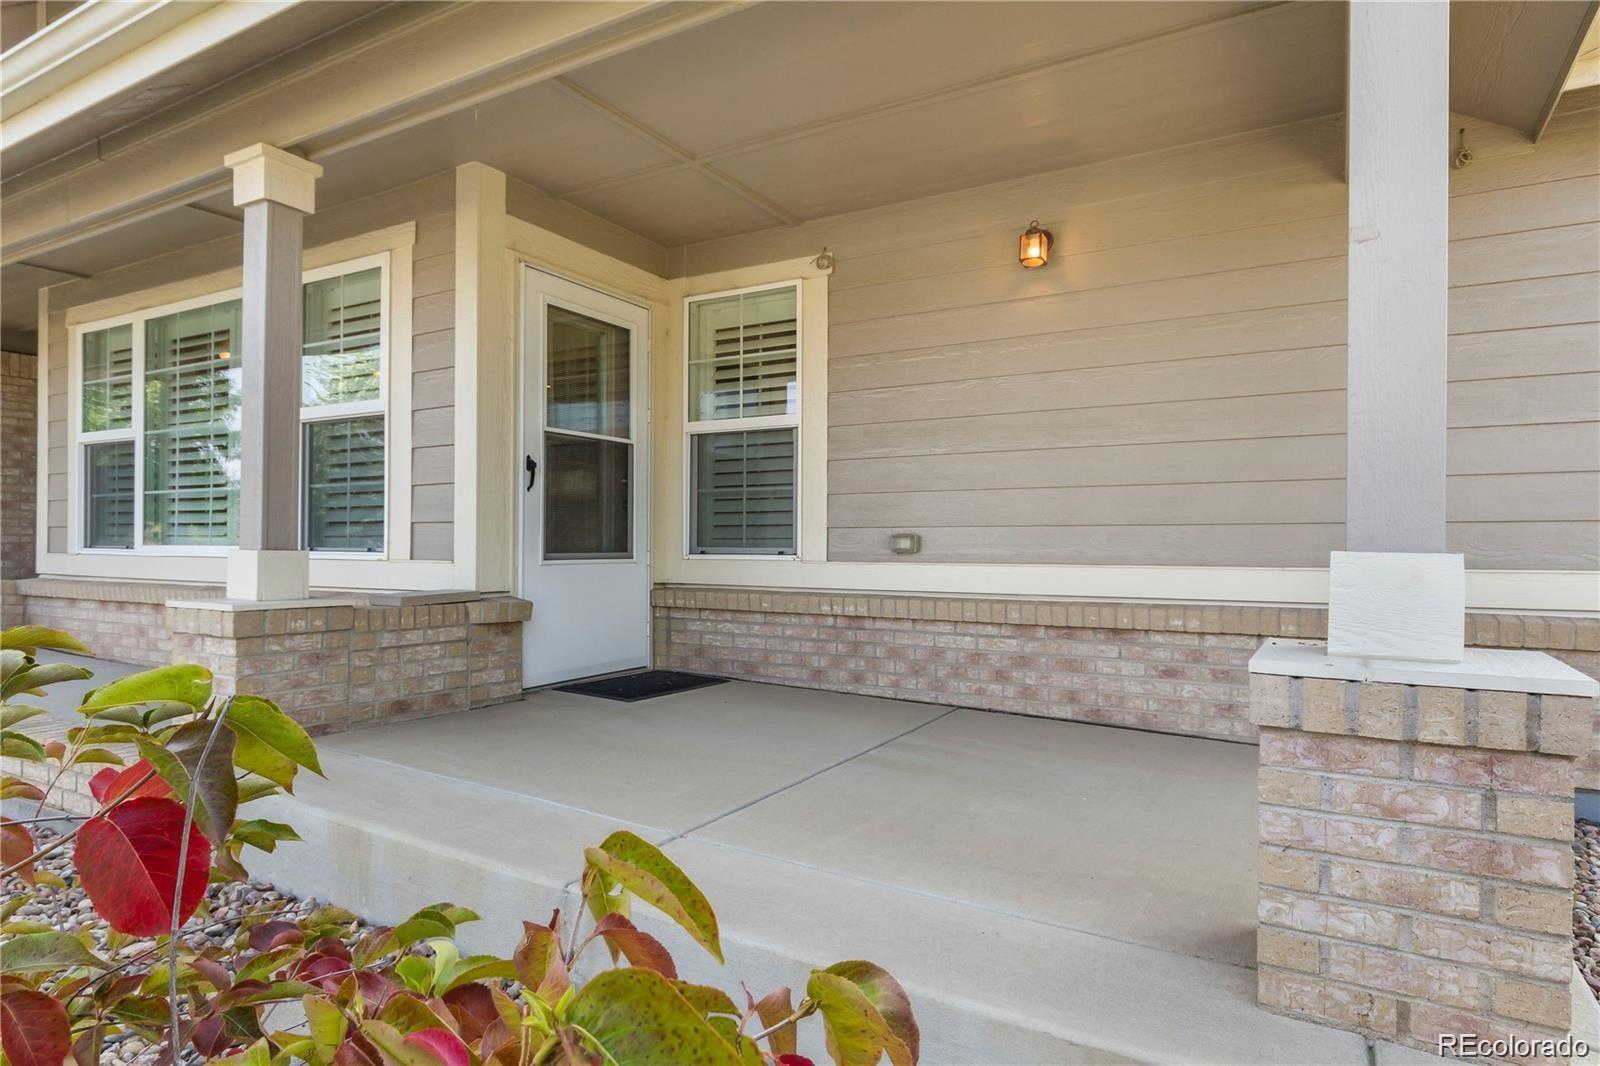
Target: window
157, 422
341, 408
743, 422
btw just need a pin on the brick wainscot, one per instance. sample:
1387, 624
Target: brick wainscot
333, 662
1174, 668
1416, 828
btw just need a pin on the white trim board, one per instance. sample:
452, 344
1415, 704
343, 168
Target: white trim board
1533, 591
1494, 669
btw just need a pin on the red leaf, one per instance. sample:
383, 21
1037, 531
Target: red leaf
356, 1051
795, 1060
16, 848
210, 1036
327, 972
442, 1044
275, 934
640, 948
126, 781
34, 1030
128, 862
472, 1006
101, 781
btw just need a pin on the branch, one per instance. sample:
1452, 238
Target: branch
177, 890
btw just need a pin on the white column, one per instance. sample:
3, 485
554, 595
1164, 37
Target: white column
277, 190
1396, 593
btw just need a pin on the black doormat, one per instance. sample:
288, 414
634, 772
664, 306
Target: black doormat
641, 686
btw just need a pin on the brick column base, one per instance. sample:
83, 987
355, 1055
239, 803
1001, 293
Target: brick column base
1415, 865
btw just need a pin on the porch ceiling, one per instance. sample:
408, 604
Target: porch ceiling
778, 113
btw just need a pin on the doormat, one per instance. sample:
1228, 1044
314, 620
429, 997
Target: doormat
641, 686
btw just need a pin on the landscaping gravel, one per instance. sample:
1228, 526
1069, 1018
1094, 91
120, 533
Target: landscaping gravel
70, 910
1586, 905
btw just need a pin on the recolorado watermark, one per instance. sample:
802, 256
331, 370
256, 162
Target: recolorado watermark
1473, 1046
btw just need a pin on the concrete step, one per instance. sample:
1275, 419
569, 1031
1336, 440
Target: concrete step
988, 987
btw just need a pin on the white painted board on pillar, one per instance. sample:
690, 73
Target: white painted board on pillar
1397, 605
268, 575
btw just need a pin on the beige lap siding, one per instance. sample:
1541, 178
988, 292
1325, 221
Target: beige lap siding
1168, 667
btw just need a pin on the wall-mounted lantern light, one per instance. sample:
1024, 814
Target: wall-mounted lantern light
1034, 246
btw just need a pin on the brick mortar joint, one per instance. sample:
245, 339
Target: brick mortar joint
1411, 955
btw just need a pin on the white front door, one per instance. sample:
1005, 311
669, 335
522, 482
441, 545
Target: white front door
585, 533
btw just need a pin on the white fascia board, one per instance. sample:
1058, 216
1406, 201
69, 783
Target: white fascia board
101, 50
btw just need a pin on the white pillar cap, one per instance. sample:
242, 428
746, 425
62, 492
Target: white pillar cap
264, 172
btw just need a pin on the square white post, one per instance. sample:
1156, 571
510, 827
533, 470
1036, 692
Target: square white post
1396, 593
277, 190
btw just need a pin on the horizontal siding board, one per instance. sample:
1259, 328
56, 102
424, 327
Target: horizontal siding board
1519, 256
1526, 545
430, 351
1527, 207
1238, 545
1241, 332
1256, 374
1181, 463
1521, 304
431, 503
429, 314
433, 388
433, 465
1555, 447
432, 426
435, 274
432, 540
1263, 287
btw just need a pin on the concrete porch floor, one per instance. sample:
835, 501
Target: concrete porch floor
1047, 891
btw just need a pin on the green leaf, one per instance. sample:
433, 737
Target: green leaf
41, 952
179, 763
97, 757
416, 972
184, 683
421, 927
14, 904
37, 676
31, 638
12, 660
457, 915
270, 743
473, 968
261, 967
642, 869
886, 995
706, 999
327, 1025
393, 1047
262, 834
21, 746
639, 1019
12, 713
857, 1034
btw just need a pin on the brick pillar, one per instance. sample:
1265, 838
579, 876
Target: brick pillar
19, 472
1415, 865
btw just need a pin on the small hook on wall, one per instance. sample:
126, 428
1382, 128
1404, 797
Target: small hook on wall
1462, 155
824, 261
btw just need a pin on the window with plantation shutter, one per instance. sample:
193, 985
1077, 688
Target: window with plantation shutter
156, 421
342, 409
744, 422
191, 427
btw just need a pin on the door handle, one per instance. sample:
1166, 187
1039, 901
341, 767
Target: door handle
532, 467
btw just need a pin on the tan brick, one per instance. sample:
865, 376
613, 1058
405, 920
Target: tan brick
1291, 871
1413, 889
1340, 836
1503, 720
1566, 724
1420, 804
1289, 788
1377, 926
1346, 755
1407, 975
1322, 705
1543, 911
1539, 864
1291, 951
1544, 958
1352, 1008
1380, 710
1544, 1004
1269, 700
1533, 816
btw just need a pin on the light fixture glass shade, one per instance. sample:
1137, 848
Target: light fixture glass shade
1034, 246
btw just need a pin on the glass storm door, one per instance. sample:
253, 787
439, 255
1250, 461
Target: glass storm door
584, 551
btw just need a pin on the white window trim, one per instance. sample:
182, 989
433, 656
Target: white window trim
78, 440
694, 427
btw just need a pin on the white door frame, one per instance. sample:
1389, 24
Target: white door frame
641, 474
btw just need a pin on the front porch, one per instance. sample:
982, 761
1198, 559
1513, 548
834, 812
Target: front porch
1048, 891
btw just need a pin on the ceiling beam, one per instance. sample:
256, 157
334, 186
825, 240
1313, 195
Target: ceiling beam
1585, 24
672, 148
415, 63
